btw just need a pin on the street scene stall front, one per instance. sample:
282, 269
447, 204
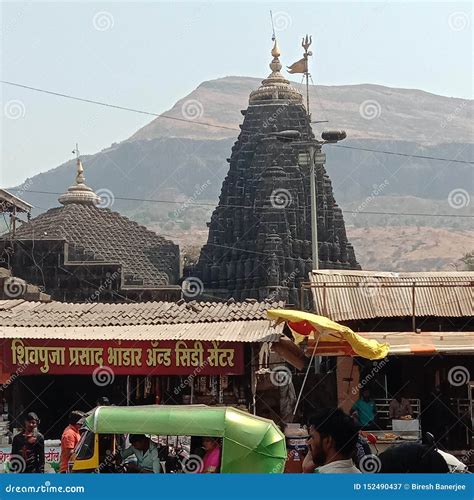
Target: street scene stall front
427, 320
59, 357
270, 341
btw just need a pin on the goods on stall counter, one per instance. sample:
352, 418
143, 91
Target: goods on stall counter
297, 447
389, 436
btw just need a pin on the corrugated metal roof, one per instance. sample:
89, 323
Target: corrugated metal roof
228, 331
350, 295
20, 313
427, 343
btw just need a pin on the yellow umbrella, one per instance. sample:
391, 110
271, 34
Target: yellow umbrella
331, 337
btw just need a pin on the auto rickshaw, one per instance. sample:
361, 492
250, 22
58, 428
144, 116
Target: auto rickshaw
250, 444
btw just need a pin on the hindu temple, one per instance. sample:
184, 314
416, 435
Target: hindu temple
259, 242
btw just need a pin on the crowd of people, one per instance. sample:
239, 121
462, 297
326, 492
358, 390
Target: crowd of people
335, 444
29, 446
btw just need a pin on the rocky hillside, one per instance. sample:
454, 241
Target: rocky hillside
180, 166
364, 111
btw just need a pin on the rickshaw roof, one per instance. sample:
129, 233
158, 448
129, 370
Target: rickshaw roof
178, 420
244, 435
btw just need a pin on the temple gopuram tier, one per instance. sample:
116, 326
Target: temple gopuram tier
259, 243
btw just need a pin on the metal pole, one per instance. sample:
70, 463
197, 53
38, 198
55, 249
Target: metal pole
314, 213
129, 390
319, 157
306, 376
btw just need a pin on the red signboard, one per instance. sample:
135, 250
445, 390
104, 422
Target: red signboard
80, 357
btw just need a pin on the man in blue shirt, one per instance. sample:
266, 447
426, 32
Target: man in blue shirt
146, 453
365, 410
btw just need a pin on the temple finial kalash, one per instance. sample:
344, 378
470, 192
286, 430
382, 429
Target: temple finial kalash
275, 86
80, 169
79, 192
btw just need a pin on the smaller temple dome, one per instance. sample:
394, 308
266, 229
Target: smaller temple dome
79, 192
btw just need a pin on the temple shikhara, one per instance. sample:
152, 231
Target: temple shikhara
259, 242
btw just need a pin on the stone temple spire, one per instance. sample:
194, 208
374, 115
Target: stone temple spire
260, 238
79, 192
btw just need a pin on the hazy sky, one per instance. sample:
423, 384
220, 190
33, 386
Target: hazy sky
147, 55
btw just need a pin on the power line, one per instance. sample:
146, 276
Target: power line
403, 154
108, 105
188, 203
212, 125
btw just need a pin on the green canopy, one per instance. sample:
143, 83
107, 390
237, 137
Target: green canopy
249, 443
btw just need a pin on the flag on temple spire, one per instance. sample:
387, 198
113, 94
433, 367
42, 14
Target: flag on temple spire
300, 66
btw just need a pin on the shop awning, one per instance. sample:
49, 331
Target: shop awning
225, 331
425, 343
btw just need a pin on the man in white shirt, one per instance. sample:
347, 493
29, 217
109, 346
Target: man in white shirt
332, 441
146, 452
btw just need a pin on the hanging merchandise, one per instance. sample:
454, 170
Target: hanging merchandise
214, 385
146, 387
137, 388
220, 399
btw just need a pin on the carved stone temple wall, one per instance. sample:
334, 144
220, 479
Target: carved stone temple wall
259, 243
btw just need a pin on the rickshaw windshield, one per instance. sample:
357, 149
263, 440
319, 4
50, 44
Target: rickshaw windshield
85, 446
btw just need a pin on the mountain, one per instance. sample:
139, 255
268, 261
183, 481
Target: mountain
364, 111
183, 163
